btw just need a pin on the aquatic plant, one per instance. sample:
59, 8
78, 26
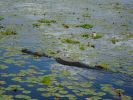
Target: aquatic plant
114, 40
86, 35
14, 88
2, 82
26, 92
81, 46
94, 98
65, 73
41, 89
86, 26
97, 36
47, 80
36, 25
65, 25
124, 97
86, 15
70, 41
6, 97
1, 18
22, 96
46, 21
3, 67
8, 32
129, 35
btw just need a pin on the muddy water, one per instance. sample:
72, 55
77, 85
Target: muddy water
109, 18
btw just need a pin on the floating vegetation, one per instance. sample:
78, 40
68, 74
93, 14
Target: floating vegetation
6, 97
86, 26
86, 35
46, 21
70, 41
65, 73
24, 77
47, 80
1, 18
65, 25
124, 97
22, 96
43, 21
81, 46
86, 15
2, 82
115, 92
14, 88
97, 36
129, 35
114, 40
3, 66
8, 32
94, 98
26, 92
36, 25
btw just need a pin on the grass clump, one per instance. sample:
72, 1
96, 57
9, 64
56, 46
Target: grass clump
46, 21
86, 26
8, 32
70, 41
